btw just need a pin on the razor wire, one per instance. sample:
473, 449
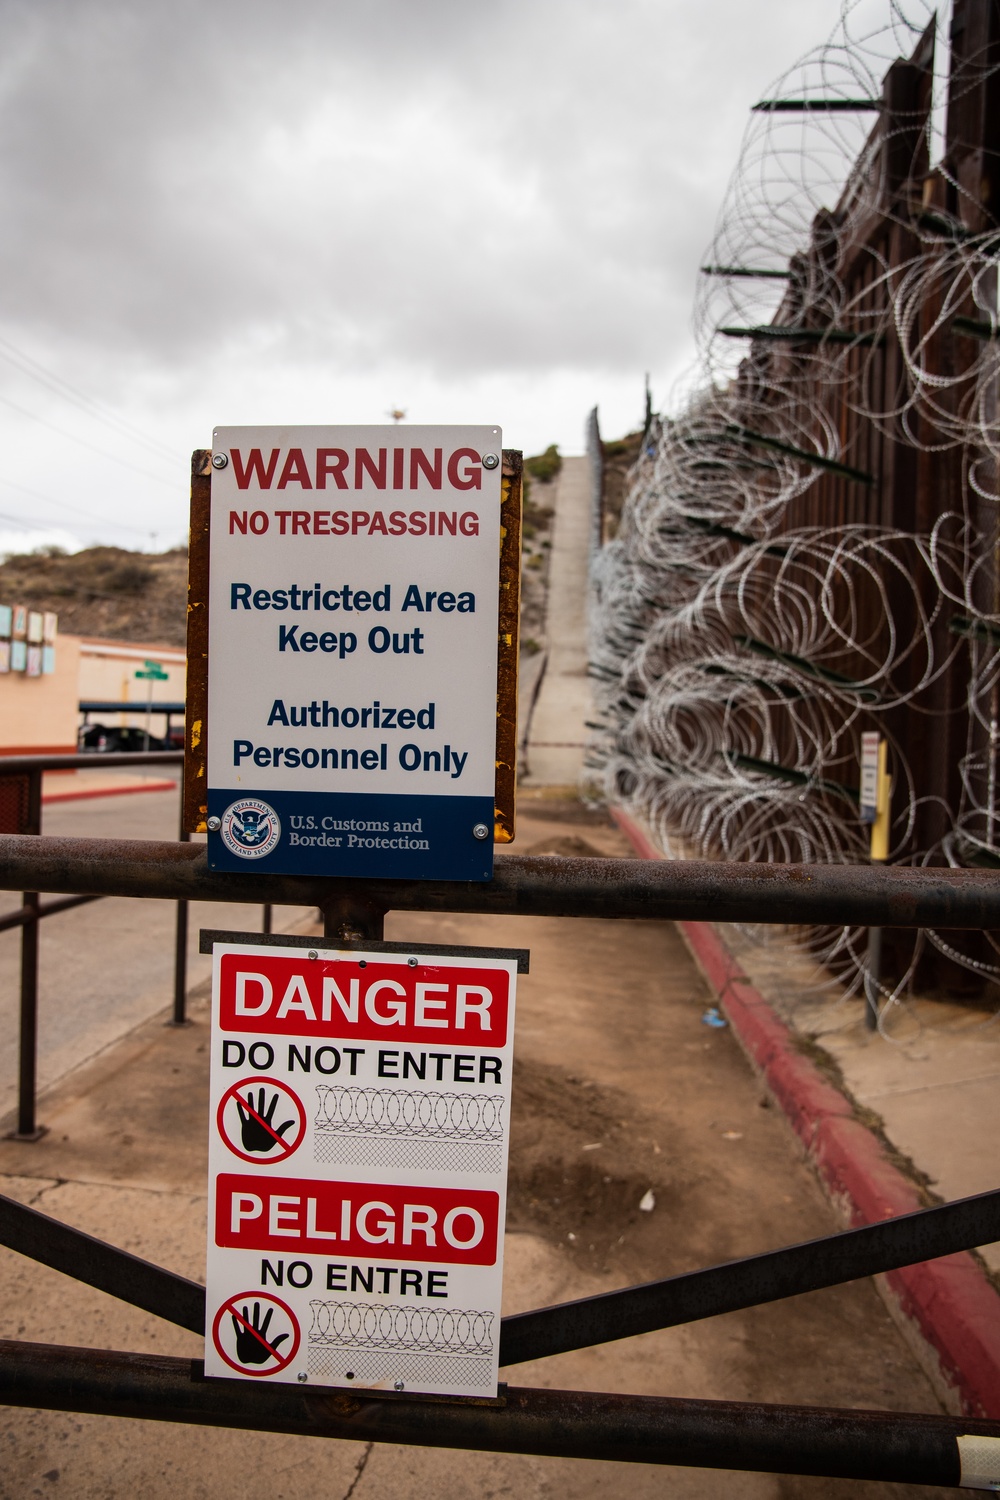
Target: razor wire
738, 657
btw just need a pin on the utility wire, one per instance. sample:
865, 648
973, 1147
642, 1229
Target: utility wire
74, 510
29, 366
103, 452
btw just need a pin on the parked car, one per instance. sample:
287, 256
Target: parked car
104, 738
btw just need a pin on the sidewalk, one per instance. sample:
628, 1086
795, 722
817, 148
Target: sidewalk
932, 1078
75, 786
556, 733
826, 1072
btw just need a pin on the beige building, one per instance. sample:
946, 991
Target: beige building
40, 715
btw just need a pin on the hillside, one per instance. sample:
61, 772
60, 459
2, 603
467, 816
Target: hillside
142, 596
104, 591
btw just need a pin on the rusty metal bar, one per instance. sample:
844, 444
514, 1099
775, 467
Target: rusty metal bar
350, 917
179, 1017
194, 803
27, 1059
27, 1062
524, 885
753, 1281
508, 628
876, 1445
750, 1282
96, 1263
27, 914
10, 765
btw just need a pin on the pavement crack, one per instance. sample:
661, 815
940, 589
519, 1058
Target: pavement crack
47, 1187
360, 1469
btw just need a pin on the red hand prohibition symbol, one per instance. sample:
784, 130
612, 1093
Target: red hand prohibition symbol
244, 1323
255, 1126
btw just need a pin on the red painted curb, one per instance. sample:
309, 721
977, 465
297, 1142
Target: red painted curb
107, 791
948, 1301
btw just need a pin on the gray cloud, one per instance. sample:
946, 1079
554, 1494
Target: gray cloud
428, 195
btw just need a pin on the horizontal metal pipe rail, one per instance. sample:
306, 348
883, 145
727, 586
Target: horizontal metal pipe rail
688, 1298
17, 765
527, 885
874, 1445
26, 914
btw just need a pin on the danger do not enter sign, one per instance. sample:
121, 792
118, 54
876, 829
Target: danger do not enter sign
360, 1107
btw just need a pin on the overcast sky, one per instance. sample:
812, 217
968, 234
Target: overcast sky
310, 211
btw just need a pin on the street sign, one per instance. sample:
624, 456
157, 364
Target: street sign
157, 675
352, 650
360, 1105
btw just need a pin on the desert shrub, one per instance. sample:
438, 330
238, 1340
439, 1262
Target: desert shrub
544, 466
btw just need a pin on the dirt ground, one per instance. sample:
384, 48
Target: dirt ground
620, 1092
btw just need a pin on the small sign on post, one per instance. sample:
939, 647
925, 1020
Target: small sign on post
353, 600
870, 742
360, 1105
876, 791
152, 672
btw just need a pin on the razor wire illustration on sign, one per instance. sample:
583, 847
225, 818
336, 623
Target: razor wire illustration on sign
365, 1127
348, 1341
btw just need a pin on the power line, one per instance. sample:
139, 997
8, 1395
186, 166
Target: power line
102, 452
68, 392
86, 515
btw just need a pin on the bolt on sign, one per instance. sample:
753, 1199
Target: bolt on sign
352, 650
360, 1104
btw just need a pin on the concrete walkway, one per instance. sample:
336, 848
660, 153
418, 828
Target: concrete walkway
557, 733
821, 1065
932, 1075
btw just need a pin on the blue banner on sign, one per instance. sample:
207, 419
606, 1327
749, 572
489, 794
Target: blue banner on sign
364, 837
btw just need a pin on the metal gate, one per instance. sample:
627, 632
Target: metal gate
874, 1445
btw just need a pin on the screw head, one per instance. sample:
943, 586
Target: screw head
491, 460
412, 962
219, 460
312, 953
480, 831
398, 1386
214, 824
303, 1376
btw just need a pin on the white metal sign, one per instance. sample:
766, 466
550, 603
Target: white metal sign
360, 1104
869, 776
353, 650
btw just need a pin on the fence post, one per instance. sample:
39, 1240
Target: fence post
28, 1128
349, 919
179, 1017
873, 974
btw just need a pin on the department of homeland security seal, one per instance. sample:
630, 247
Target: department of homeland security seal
250, 828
